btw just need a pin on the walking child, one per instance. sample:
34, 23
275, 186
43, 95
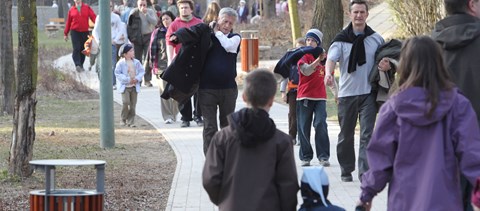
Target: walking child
129, 72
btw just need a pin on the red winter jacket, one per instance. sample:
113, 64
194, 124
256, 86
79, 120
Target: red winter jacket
78, 21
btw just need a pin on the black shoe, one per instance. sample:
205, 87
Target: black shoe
347, 177
185, 124
199, 121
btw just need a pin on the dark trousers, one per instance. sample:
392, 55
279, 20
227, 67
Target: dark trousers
292, 114
78, 41
141, 51
466, 189
349, 110
209, 100
308, 110
186, 109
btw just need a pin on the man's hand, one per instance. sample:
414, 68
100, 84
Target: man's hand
173, 38
366, 205
65, 37
284, 97
384, 64
328, 79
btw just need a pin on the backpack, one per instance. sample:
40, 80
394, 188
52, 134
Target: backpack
293, 76
134, 28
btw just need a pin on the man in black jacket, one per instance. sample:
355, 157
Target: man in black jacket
459, 35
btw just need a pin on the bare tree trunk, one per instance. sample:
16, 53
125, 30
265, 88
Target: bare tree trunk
21, 149
268, 9
7, 68
328, 18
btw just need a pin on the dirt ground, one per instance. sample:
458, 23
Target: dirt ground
139, 168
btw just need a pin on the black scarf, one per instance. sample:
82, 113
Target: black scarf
357, 54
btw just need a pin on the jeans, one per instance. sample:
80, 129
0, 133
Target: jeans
306, 109
114, 63
349, 110
209, 100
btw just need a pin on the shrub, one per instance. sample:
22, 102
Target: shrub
416, 17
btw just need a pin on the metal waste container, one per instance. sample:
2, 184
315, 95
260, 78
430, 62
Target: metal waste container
249, 50
67, 199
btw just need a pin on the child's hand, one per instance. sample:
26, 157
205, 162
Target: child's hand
284, 97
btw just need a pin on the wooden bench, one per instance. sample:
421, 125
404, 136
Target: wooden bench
54, 25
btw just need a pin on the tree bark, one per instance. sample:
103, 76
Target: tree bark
21, 149
268, 9
328, 18
7, 68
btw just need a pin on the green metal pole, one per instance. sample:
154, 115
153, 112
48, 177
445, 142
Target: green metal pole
295, 23
107, 132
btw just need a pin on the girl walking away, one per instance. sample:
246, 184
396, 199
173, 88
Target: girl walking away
426, 134
129, 72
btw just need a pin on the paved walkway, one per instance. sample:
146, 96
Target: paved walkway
187, 192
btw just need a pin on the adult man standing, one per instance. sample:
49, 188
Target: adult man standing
77, 24
459, 35
354, 48
186, 19
141, 23
217, 82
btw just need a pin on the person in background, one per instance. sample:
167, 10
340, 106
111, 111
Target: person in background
218, 89
172, 7
242, 12
185, 20
118, 38
288, 89
250, 165
158, 56
312, 102
428, 128
77, 25
459, 35
129, 72
148, 19
354, 49
212, 12
54, 4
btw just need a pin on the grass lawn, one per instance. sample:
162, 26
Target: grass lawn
47, 42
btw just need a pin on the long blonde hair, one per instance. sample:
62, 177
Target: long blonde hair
212, 12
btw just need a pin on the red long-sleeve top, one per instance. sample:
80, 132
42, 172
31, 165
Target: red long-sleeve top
78, 20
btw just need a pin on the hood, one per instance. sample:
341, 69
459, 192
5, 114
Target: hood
252, 126
456, 31
410, 105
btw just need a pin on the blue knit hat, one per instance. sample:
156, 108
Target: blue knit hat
124, 49
316, 34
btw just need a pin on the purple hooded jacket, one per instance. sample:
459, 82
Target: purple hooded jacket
420, 157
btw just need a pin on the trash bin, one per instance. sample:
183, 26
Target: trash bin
249, 50
67, 199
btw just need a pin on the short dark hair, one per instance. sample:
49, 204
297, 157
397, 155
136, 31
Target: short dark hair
260, 87
456, 6
357, 2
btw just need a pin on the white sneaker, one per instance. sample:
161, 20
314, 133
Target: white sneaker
305, 163
169, 121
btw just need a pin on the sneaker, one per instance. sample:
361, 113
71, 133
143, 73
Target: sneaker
185, 124
123, 123
169, 121
79, 69
305, 163
324, 163
346, 177
199, 121
148, 84
114, 87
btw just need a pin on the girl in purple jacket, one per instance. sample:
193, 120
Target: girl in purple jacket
426, 135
